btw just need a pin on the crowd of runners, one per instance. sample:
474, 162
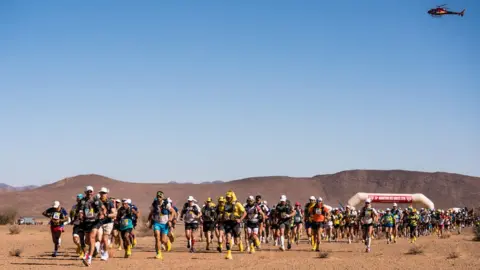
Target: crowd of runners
101, 222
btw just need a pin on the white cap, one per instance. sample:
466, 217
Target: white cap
118, 200
368, 200
56, 204
103, 190
265, 202
348, 206
127, 201
169, 200
88, 188
251, 198
320, 199
191, 199
394, 204
283, 198
388, 209
313, 198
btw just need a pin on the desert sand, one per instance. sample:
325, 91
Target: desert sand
37, 247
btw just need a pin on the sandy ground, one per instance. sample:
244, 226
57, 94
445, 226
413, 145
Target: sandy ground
37, 247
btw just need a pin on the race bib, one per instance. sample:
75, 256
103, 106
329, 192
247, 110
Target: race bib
318, 211
125, 222
298, 219
56, 215
89, 213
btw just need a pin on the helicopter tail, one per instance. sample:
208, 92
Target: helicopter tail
462, 13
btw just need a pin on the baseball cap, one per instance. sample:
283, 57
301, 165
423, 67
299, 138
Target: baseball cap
103, 190
88, 188
56, 204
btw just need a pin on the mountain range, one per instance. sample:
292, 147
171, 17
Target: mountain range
444, 189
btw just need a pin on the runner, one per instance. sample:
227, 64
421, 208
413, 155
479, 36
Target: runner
350, 217
233, 215
160, 218
209, 217
219, 228
388, 222
124, 218
337, 219
174, 213
413, 219
191, 212
91, 213
77, 232
397, 215
135, 217
285, 212
58, 217
368, 216
319, 215
297, 222
308, 221
106, 228
116, 237
253, 216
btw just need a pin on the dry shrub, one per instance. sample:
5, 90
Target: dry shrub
453, 255
8, 216
445, 235
323, 254
415, 250
16, 252
15, 229
476, 232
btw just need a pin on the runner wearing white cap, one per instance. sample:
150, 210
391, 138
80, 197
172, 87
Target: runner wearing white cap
124, 218
91, 212
285, 212
58, 217
191, 213
106, 228
368, 215
307, 219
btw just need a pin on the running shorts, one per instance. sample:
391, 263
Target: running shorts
233, 228
191, 226
163, 228
208, 226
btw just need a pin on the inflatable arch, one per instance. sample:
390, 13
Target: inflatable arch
360, 197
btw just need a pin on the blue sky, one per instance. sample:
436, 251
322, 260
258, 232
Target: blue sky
218, 90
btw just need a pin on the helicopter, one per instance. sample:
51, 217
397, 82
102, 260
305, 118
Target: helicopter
442, 10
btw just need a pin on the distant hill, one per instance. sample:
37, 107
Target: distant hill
444, 189
6, 188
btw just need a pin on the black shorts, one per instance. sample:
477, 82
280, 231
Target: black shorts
123, 233
318, 225
90, 226
233, 228
219, 226
252, 225
285, 224
191, 226
275, 226
208, 226
77, 229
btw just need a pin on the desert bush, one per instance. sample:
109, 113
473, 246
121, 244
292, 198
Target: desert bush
15, 229
16, 252
476, 232
446, 235
453, 255
8, 216
323, 254
415, 250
